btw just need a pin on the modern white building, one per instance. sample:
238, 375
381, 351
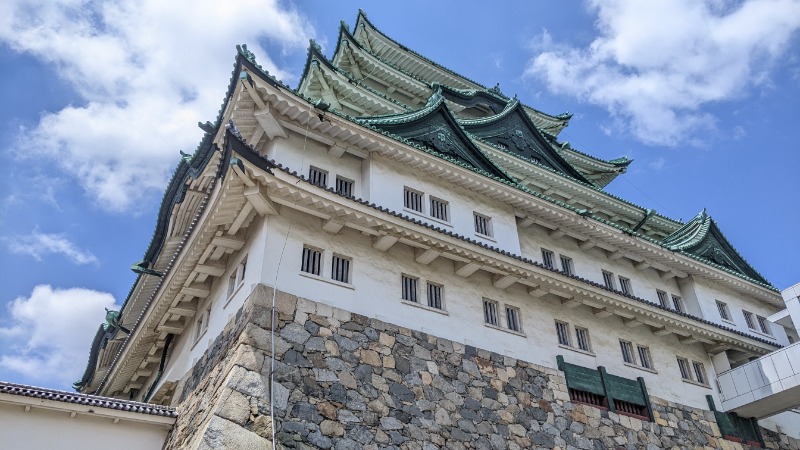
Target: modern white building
388, 186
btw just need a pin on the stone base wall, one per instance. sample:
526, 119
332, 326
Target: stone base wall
344, 381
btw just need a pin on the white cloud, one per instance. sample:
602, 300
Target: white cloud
657, 164
51, 331
656, 64
39, 244
147, 72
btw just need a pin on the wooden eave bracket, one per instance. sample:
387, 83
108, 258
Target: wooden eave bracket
257, 196
426, 256
504, 281
385, 242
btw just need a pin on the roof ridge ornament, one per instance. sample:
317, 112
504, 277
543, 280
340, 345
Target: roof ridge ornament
248, 55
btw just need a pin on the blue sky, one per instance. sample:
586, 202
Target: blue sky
97, 99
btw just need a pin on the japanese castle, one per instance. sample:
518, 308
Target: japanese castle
391, 255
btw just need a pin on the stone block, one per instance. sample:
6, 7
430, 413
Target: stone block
221, 434
233, 406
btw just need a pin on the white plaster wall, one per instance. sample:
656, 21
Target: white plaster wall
45, 429
388, 178
375, 292
707, 293
590, 264
786, 422
298, 153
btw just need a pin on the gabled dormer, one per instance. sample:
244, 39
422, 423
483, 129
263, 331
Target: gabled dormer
513, 131
702, 239
435, 128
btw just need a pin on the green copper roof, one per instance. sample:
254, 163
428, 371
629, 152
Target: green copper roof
513, 130
702, 239
435, 127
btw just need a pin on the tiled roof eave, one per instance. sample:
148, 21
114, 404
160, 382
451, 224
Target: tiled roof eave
253, 155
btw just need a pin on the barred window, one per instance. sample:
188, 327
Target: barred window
662, 298
312, 261
483, 224
608, 279
763, 325
678, 303
683, 365
237, 277
547, 258
722, 307
644, 357
201, 325
344, 186
627, 352
512, 319
490, 312
318, 176
440, 209
582, 337
435, 294
748, 317
699, 372
566, 265
562, 331
409, 288
340, 269
625, 286
412, 199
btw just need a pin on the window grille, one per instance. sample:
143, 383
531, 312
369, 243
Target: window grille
409, 288
439, 209
435, 293
699, 372
631, 409
547, 258
678, 303
587, 397
627, 352
340, 269
231, 284
566, 265
318, 176
202, 324
625, 286
644, 357
312, 259
748, 317
582, 337
512, 319
723, 310
483, 224
412, 200
662, 298
608, 279
763, 325
683, 365
344, 186
490, 312
562, 332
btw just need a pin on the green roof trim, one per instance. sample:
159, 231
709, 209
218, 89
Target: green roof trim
702, 239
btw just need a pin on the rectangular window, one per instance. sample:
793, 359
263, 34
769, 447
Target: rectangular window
312, 261
409, 288
490, 312
722, 307
644, 357
440, 209
763, 325
748, 317
566, 265
562, 331
318, 176
435, 294
608, 280
547, 258
625, 286
512, 319
582, 338
412, 199
340, 269
662, 298
627, 352
237, 277
678, 303
699, 372
344, 186
201, 325
683, 365
483, 224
